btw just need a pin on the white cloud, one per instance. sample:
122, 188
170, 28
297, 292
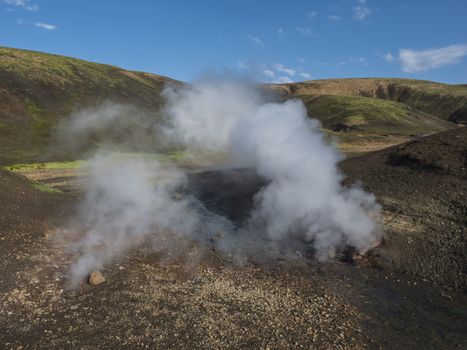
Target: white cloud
281, 68
41, 25
269, 73
361, 11
312, 14
388, 57
255, 40
335, 18
280, 74
45, 26
283, 80
413, 61
306, 31
22, 3
14, 2
280, 31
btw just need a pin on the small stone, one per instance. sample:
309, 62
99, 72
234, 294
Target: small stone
96, 278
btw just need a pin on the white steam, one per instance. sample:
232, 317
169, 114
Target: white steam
108, 126
304, 196
129, 199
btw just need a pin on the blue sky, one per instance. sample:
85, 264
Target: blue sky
267, 40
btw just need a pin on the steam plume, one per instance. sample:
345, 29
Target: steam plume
128, 199
304, 196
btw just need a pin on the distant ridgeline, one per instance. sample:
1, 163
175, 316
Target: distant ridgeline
444, 101
37, 89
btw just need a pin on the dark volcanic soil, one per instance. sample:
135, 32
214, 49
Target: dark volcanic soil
422, 186
233, 193
410, 292
25, 216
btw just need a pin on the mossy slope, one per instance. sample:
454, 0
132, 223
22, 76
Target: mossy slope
448, 102
37, 89
347, 113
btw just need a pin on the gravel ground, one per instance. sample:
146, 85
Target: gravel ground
409, 293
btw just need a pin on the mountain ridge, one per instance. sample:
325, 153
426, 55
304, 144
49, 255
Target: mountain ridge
38, 89
444, 101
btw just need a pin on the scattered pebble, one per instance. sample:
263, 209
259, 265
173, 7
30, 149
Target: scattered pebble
95, 278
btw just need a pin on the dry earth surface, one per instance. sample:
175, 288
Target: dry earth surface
408, 293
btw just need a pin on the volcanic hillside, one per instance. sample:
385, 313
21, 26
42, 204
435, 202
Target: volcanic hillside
36, 89
448, 102
372, 113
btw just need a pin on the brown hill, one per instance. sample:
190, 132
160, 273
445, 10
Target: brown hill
448, 102
37, 89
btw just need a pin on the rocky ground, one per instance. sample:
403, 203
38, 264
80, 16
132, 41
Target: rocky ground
422, 186
409, 293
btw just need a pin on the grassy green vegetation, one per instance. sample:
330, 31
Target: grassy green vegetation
359, 124
172, 157
440, 100
372, 113
176, 156
50, 165
62, 71
54, 68
369, 114
353, 110
372, 87
179, 156
44, 188
41, 124
37, 89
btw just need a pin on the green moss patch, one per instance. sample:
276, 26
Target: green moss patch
44, 188
51, 165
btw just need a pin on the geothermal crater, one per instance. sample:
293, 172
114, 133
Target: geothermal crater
230, 193
227, 192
